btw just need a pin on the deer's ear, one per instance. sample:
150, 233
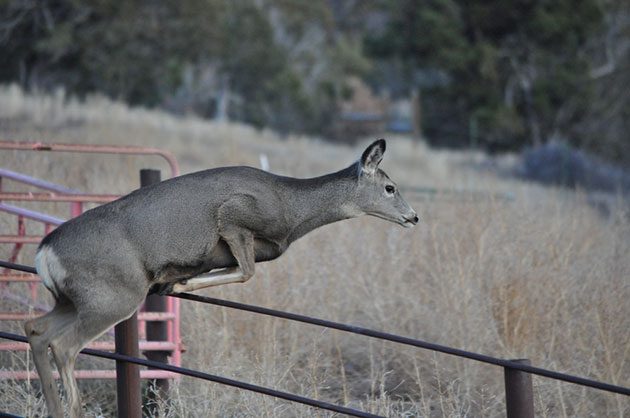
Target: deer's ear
372, 157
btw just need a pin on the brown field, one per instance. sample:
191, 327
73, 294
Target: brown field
542, 275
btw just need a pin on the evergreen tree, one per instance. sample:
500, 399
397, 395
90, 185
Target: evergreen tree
501, 74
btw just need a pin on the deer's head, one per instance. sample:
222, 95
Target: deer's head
377, 194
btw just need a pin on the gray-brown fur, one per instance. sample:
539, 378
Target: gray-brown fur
101, 265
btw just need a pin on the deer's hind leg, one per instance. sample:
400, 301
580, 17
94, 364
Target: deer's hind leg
40, 332
97, 310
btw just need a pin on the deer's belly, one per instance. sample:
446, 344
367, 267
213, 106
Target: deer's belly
220, 257
264, 250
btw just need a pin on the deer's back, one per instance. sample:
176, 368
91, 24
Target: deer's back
175, 221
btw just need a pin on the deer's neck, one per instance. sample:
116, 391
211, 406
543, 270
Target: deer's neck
322, 200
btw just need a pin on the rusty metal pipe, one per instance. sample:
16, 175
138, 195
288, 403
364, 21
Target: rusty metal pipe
94, 149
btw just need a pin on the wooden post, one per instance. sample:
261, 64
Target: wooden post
156, 330
519, 395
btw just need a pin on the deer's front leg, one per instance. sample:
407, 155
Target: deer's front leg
216, 278
241, 243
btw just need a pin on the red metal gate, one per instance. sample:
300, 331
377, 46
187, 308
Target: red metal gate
50, 192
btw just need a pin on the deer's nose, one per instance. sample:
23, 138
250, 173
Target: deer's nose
413, 218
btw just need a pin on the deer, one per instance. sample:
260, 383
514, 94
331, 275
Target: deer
187, 233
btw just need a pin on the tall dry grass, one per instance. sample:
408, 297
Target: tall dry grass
542, 276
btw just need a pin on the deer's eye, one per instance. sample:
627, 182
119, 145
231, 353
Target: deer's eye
390, 189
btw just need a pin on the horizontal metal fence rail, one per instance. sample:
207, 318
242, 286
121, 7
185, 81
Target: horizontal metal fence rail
214, 378
410, 341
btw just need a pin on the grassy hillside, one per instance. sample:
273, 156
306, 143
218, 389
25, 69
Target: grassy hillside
541, 276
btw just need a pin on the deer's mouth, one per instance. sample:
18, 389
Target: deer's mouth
405, 221
410, 222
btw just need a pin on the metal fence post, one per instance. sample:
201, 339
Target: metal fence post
128, 374
156, 330
128, 387
519, 395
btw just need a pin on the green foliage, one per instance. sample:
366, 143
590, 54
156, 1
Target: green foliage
515, 69
142, 52
424, 33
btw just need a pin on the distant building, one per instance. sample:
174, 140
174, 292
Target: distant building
367, 114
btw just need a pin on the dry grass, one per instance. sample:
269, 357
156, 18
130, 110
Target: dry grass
543, 276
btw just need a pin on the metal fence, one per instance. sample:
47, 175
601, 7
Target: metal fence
519, 400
